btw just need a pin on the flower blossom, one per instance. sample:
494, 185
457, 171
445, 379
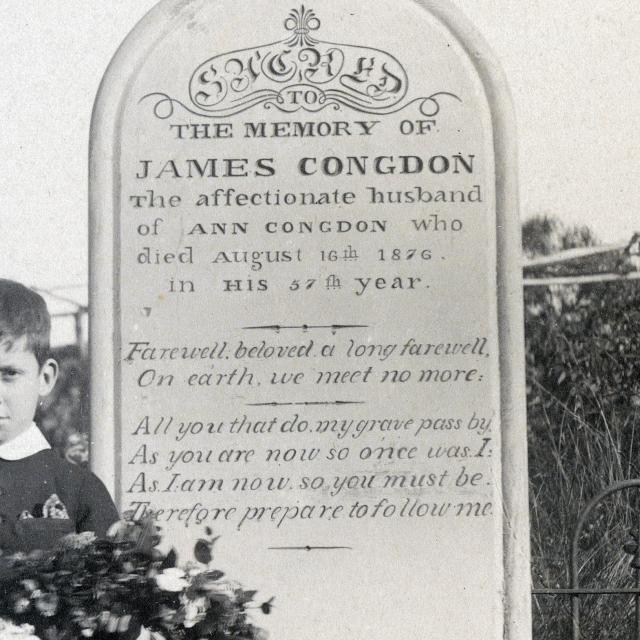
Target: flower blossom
77, 541
172, 580
10, 631
195, 611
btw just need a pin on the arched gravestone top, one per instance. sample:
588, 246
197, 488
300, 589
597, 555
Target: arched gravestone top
306, 310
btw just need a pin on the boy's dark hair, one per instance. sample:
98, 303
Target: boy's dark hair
23, 312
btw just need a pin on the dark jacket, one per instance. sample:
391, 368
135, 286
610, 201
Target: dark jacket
27, 484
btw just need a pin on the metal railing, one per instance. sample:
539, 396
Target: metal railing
576, 592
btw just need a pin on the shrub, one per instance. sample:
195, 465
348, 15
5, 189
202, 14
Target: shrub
583, 397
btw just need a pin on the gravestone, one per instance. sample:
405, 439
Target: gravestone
306, 310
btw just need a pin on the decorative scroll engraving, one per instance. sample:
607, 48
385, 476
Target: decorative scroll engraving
299, 73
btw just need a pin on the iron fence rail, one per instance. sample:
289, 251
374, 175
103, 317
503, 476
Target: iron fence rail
575, 591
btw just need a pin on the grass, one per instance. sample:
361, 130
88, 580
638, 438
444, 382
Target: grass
583, 438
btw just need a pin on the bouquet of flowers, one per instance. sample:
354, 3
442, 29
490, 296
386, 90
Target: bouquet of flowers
122, 588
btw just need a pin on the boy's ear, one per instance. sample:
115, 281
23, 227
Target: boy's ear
48, 376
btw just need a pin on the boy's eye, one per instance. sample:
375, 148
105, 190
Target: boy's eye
9, 374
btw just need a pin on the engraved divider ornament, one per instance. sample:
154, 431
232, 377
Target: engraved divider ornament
299, 73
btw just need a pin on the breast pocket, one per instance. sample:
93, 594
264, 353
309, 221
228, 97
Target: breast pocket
42, 533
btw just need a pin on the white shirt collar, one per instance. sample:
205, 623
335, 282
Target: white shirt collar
24, 445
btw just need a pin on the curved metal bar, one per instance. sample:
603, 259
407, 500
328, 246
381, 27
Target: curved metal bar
575, 573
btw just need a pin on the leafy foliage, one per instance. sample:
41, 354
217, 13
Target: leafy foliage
64, 415
583, 397
544, 235
114, 588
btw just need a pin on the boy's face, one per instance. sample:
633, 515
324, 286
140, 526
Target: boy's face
22, 383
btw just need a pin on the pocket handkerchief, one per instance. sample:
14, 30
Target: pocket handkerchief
53, 508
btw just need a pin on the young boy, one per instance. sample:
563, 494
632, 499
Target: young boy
42, 496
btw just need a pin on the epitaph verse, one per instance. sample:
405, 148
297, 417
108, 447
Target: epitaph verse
297, 189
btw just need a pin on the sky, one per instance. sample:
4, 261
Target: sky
572, 66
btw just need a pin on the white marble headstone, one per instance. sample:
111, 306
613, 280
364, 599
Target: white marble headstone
306, 311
